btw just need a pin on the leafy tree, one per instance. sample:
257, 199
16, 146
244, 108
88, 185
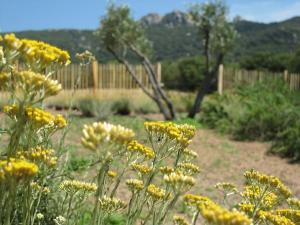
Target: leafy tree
125, 38
185, 74
218, 36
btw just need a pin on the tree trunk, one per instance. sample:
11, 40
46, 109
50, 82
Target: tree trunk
156, 97
207, 84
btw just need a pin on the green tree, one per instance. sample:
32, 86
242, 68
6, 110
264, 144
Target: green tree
218, 36
294, 66
125, 38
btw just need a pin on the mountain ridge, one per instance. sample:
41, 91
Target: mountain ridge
174, 35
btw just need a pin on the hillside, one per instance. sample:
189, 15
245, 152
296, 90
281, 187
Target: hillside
174, 36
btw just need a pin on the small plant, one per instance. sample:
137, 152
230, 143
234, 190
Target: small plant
122, 107
91, 107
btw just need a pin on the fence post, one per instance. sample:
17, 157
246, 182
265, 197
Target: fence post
95, 75
220, 79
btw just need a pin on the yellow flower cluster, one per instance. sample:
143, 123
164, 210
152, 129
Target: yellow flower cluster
143, 169
134, 184
11, 110
215, 214
37, 82
4, 78
73, 186
247, 208
38, 154
190, 153
275, 219
291, 214
182, 134
155, 192
195, 200
41, 118
270, 181
17, 169
254, 194
294, 203
38, 117
179, 220
179, 181
37, 51
166, 170
188, 168
35, 186
110, 205
112, 174
134, 146
97, 133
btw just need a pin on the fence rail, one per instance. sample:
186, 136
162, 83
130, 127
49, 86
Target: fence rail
102, 76
230, 77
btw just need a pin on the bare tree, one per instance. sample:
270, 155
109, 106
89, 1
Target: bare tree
218, 36
125, 39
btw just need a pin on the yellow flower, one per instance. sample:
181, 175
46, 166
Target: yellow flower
17, 169
143, 169
269, 181
179, 220
215, 214
112, 174
179, 181
11, 42
275, 219
247, 208
190, 153
181, 134
110, 205
35, 186
74, 186
37, 154
228, 187
4, 78
188, 168
166, 169
134, 146
155, 192
97, 133
291, 214
34, 51
135, 185
195, 200
31, 81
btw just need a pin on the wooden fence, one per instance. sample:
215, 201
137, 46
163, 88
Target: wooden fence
230, 77
103, 76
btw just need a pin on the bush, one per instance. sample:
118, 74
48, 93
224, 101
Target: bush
264, 111
146, 107
122, 107
91, 107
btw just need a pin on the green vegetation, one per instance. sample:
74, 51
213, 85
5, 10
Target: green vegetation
265, 111
180, 40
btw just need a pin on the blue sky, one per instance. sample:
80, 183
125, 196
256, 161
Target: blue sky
16, 15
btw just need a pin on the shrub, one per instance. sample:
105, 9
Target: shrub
146, 107
122, 107
91, 107
264, 111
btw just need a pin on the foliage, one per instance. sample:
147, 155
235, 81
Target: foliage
184, 74
91, 107
266, 61
245, 113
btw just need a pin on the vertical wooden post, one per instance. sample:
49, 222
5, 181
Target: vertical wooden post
286, 75
220, 79
95, 75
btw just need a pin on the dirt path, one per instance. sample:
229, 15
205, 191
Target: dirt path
224, 160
